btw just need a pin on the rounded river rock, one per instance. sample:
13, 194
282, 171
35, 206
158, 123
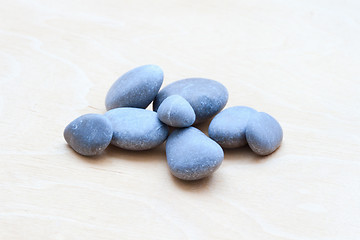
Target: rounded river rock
136, 88
136, 128
175, 111
89, 134
207, 97
263, 133
191, 155
228, 128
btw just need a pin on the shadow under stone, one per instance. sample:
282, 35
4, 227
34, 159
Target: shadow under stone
151, 155
204, 126
98, 159
193, 186
245, 154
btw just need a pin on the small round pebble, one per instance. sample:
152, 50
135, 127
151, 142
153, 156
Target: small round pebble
263, 133
207, 97
175, 111
89, 134
136, 88
191, 155
229, 126
136, 128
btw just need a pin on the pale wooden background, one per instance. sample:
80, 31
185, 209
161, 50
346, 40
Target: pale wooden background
297, 60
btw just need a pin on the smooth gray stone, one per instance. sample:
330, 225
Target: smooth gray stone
175, 111
136, 128
136, 88
191, 155
229, 126
89, 134
263, 133
207, 97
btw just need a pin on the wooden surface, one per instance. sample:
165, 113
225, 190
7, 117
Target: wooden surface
297, 60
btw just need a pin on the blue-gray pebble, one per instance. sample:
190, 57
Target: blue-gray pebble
191, 155
263, 133
229, 126
136, 128
175, 111
89, 134
207, 97
136, 88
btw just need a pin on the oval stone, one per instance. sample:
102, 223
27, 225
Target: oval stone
136, 88
191, 155
207, 97
175, 111
263, 133
89, 134
136, 128
229, 126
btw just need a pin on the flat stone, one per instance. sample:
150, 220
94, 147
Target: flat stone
136, 128
263, 133
175, 111
136, 88
229, 126
207, 97
191, 155
89, 134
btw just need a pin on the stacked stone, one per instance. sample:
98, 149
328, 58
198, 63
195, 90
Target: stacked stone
190, 154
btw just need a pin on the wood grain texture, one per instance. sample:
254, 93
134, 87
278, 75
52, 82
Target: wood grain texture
297, 60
